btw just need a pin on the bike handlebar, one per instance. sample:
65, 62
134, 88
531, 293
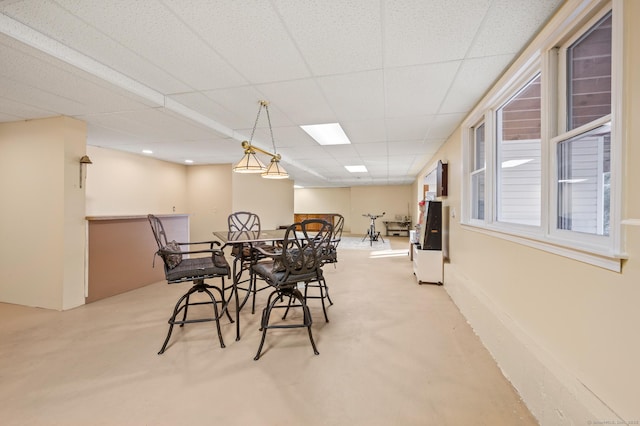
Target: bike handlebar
374, 216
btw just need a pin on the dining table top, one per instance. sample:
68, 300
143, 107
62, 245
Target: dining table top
262, 236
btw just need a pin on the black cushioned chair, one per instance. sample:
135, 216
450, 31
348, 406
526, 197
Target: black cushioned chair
245, 222
210, 264
331, 253
319, 289
297, 260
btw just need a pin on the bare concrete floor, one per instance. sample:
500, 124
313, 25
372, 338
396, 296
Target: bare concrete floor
393, 353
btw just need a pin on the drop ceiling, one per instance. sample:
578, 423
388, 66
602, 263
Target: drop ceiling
183, 78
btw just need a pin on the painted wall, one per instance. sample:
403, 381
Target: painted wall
271, 199
392, 199
119, 183
353, 202
42, 219
564, 332
324, 200
208, 191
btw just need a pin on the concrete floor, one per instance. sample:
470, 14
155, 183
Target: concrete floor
393, 353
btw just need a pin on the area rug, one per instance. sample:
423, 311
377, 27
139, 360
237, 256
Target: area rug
356, 243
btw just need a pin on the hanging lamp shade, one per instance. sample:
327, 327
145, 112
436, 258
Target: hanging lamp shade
249, 163
275, 170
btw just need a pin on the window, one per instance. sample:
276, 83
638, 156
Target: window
584, 170
477, 174
543, 147
518, 167
589, 75
584, 182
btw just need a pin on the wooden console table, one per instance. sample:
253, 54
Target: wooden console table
299, 217
397, 227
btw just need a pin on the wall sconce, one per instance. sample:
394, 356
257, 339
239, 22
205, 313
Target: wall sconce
84, 160
250, 163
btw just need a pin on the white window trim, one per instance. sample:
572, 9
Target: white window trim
540, 54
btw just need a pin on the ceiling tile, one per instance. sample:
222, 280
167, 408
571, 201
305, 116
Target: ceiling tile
520, 20
250, 38
444, 124
335, 40
472, 81
429, 31
355, 96
419, 90
365, 131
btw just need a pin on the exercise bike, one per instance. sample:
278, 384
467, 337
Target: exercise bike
372, 234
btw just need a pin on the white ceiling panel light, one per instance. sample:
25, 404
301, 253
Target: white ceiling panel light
356, 169
327, 134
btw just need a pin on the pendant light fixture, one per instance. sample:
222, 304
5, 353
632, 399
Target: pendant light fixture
250, 163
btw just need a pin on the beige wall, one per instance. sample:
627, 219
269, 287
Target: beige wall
42, 219
356, 201
564, 332
391, 199
209, 198
119, 183
271, 199
325, 200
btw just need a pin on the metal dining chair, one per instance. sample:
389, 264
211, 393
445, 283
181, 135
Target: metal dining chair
319, 289
243, 257
210, 264
297, 261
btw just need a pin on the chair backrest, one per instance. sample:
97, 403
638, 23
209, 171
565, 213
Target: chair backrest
243, 221
170, 258
303, 247
158, 231
338, 225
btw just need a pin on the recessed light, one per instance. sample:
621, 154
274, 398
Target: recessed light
356, 169
188, 161
327, 134
147, 151
298, 186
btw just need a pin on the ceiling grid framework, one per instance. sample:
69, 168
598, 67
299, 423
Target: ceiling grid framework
184, 79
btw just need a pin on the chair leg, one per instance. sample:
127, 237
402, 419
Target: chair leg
264, 322
324, 294
289, 305
172, 320
186, 308
199, 287
254, 285
308, 321
225, 303
237, 274
266, 314
215, 315
322, 287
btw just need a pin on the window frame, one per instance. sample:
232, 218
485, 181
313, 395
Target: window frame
544, 56
518, 86
475, 170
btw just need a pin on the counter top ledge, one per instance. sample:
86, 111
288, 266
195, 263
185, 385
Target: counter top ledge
129, 217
